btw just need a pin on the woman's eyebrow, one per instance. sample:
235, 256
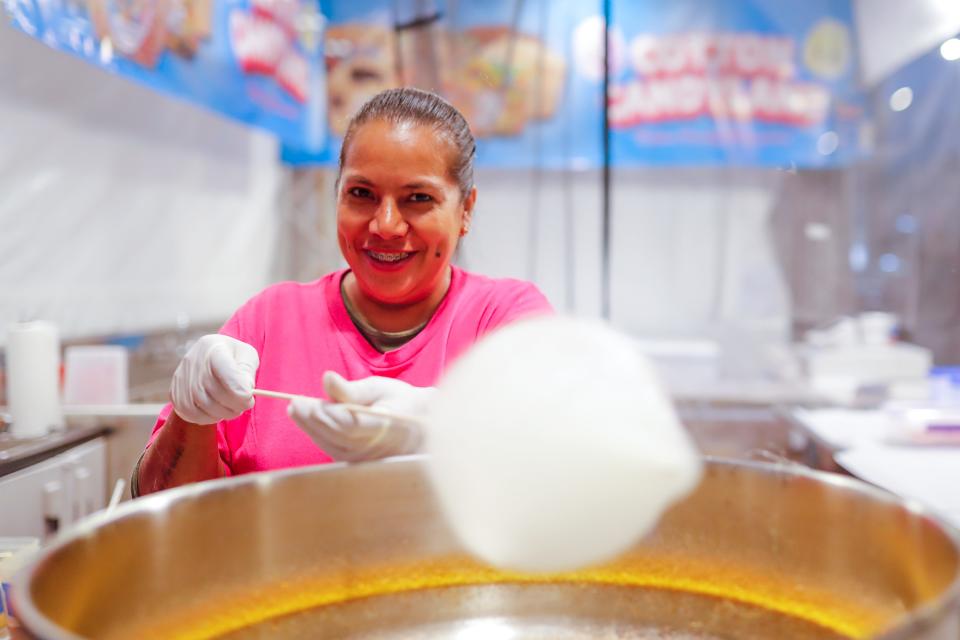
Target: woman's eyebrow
416, 184
421, 184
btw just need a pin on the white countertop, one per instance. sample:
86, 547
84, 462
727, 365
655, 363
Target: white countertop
864, 444
930, 475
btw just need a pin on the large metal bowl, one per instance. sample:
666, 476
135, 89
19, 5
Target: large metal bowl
757, 551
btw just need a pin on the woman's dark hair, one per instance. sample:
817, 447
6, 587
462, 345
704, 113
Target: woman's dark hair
406, 105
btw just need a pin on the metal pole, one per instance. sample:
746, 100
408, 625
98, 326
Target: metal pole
605, 195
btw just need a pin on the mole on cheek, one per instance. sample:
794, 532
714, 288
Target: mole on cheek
438, 254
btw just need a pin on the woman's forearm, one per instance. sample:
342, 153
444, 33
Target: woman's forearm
181, 453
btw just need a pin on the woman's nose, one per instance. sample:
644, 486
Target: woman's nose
388, 222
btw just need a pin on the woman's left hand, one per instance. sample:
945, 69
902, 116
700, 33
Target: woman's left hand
352, 437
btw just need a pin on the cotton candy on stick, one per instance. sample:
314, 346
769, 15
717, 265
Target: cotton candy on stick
553, 446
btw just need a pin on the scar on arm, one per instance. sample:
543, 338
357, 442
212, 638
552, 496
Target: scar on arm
171, 464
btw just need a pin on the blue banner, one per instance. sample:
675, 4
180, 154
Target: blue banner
693, 82
747, 82
257, 61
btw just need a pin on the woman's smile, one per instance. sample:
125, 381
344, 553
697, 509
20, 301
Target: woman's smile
389, 260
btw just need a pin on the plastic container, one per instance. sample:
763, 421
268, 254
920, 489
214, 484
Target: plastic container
95, 374
33, 378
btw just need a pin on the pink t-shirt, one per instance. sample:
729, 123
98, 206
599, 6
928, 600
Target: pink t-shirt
302, 330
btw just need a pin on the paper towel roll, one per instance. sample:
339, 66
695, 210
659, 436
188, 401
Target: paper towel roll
33, 378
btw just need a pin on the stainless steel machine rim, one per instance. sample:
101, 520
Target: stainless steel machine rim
38, 624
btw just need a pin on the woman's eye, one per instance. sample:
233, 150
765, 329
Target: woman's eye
421, 197
360, 192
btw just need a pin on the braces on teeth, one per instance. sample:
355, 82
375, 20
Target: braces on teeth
389, 257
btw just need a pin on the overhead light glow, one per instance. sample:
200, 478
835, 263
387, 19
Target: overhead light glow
859, 256
817, 232
901, 99
828, 142
889, 263
950, 50
106, 51
906, 223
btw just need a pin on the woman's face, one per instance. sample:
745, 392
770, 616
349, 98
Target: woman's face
399, 213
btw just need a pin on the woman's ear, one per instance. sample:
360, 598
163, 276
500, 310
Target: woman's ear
468, 204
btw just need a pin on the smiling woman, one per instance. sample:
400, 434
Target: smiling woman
399, 219
379, 333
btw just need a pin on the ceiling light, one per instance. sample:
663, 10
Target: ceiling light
901, 98
950, 50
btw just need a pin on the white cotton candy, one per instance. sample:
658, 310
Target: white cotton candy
553, 446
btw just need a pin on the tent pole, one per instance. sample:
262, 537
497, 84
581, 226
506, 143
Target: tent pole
605, 194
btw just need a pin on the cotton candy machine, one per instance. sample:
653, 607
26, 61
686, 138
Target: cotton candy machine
756, 551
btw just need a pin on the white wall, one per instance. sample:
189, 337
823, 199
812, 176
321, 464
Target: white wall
691, 252
544, 228
121, 208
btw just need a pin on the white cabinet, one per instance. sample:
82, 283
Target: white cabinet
53, 494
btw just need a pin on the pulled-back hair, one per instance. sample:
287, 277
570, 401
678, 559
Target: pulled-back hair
406, 105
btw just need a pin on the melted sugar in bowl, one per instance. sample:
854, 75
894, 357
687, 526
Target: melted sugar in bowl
363, 551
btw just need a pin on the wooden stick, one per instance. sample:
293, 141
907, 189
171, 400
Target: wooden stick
279, 394
352, 408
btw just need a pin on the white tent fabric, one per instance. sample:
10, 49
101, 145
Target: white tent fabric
123, 210
893, 32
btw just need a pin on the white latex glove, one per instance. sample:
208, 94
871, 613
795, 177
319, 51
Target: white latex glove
214, 381
352, 437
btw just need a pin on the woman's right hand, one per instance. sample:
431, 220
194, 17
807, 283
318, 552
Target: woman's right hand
348, 437
215, 380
